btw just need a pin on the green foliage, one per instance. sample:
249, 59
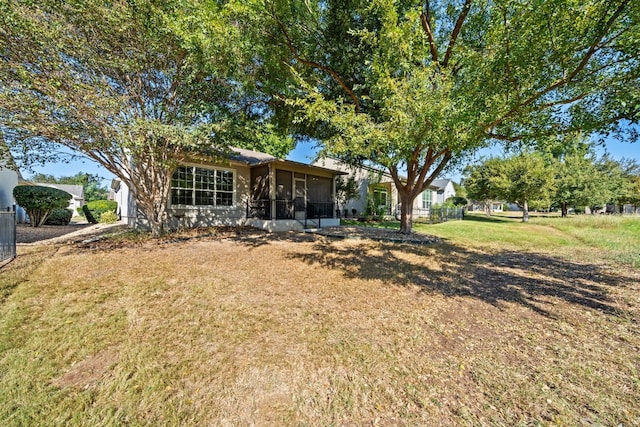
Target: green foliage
414, 86
97, 208
39, 201
59, 216
523, 179
139, 87
108, 217
479, 180
455, 201
346, 190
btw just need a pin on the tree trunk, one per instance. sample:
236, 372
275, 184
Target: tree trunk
525, 212
565, 209
406, 213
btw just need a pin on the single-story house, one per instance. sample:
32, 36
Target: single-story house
76, 191
9, 178
377, 187
251, 188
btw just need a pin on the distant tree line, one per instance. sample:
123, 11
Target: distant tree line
563, 176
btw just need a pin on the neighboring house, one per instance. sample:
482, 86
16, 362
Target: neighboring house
378, 187
8, 180
10, 177
252, 188
484, 207
76, 191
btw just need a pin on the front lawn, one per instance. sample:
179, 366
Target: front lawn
500, 324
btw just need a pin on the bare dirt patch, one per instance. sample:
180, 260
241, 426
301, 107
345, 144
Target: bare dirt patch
88, 372
27, 234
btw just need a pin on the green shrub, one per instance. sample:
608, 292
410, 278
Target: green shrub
59, 216
97, 207
39, 201
108, 217
456, 201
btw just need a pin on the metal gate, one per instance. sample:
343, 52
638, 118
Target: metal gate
7, 235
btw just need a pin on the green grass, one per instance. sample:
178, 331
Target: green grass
615, 239
495, 326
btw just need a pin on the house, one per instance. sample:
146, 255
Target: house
76, 191
251, 188
376, 188
9, 178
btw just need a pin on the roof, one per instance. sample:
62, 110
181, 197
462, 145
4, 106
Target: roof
249, 157
441, 184
77, 191
256, 158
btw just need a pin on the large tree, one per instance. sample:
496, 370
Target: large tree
138, 86
414, 85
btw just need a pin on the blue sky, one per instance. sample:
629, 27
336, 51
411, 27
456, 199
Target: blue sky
305, 153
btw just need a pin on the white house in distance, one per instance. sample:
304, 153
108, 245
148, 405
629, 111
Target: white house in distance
251, 188
380, 188
76, 191
9, 178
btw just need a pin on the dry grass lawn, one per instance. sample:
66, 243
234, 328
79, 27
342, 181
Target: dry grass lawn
302, 330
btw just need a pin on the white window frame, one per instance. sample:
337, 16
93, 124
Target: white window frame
215, 190
427, 202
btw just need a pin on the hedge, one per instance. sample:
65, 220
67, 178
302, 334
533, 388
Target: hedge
59, 216
94, 210
39, 201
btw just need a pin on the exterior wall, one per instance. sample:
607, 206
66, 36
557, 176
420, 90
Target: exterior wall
206, 216
77, 195
446, 192
244, 187
8, 180
438, 194
365, 177
281, 225
126, 203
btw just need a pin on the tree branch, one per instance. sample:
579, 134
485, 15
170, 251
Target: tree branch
425, 17
317, 65
456, 32
593, 48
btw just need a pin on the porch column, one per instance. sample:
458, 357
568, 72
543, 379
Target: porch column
272, 191
333, 197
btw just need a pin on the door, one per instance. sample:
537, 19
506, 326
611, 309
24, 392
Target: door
300, 202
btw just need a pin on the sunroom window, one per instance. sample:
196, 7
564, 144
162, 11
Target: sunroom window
426, 199
193, 186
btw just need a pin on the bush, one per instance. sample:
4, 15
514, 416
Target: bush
59, 216
39, 201
456, 202
94, 210
108, 217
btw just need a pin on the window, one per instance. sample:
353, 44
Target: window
426, 199
380, 197
192, 186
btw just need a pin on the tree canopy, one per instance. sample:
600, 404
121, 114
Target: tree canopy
139, 86
414, 85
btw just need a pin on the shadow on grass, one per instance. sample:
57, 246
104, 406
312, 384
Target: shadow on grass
531, 280
487, 218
